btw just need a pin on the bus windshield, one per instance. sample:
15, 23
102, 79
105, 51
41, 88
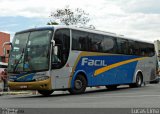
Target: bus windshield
30, 51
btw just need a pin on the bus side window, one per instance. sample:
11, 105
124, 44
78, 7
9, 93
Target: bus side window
150, 50
95, 42
109, 44
80, 40
122, 46
131, 47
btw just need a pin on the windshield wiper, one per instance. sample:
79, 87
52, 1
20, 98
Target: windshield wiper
18, 60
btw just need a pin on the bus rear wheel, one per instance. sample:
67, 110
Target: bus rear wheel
139, 81
80, 84
45, 92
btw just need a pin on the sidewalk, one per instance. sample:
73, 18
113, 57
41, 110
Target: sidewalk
16, 92
36, 93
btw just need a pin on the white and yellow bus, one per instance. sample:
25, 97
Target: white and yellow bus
71, 58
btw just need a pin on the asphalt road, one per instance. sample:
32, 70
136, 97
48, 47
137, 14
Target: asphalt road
124, 97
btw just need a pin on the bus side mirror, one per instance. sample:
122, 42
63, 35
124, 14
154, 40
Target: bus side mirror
53, 42
55, 50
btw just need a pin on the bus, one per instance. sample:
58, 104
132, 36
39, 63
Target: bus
53, 58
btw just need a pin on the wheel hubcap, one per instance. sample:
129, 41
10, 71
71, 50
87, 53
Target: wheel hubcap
139, 80
78, 84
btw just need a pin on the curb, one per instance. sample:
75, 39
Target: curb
14, 93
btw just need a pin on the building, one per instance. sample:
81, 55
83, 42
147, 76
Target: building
4, 37
157, 47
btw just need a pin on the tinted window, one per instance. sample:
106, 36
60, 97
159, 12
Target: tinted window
131, 47
80, 40
122, 46
95, 42
144, 49
109, 44
62, 40
150, 50
84, 41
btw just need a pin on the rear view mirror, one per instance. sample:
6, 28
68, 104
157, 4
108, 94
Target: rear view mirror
55, 50
53, 42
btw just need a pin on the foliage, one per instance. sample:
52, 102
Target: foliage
67, 16
52, 23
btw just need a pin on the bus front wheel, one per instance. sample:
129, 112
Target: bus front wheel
80, 84
45, 92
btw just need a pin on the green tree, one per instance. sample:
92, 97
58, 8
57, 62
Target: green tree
67, 16
52, 23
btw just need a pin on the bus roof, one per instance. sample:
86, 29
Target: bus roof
36, 28
54, 27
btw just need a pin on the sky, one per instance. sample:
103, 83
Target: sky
139, 19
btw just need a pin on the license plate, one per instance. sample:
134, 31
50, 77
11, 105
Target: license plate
23, 87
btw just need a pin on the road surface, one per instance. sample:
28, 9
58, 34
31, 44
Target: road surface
124, 97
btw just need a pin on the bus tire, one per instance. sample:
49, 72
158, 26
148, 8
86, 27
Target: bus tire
139, 81
111, 87
45, 92
80, 84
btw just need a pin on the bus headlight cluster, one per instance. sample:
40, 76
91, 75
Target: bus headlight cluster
42, 78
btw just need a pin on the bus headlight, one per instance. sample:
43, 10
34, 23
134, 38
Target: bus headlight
42, 78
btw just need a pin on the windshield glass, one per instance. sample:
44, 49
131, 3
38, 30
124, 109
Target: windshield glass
30, 51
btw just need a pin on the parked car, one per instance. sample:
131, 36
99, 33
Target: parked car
3, 76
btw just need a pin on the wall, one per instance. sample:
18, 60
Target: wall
4, 37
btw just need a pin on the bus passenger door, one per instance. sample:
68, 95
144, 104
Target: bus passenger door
60, 56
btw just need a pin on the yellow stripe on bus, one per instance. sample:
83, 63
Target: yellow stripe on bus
106, 68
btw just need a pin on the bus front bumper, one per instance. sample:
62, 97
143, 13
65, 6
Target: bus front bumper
37, 85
